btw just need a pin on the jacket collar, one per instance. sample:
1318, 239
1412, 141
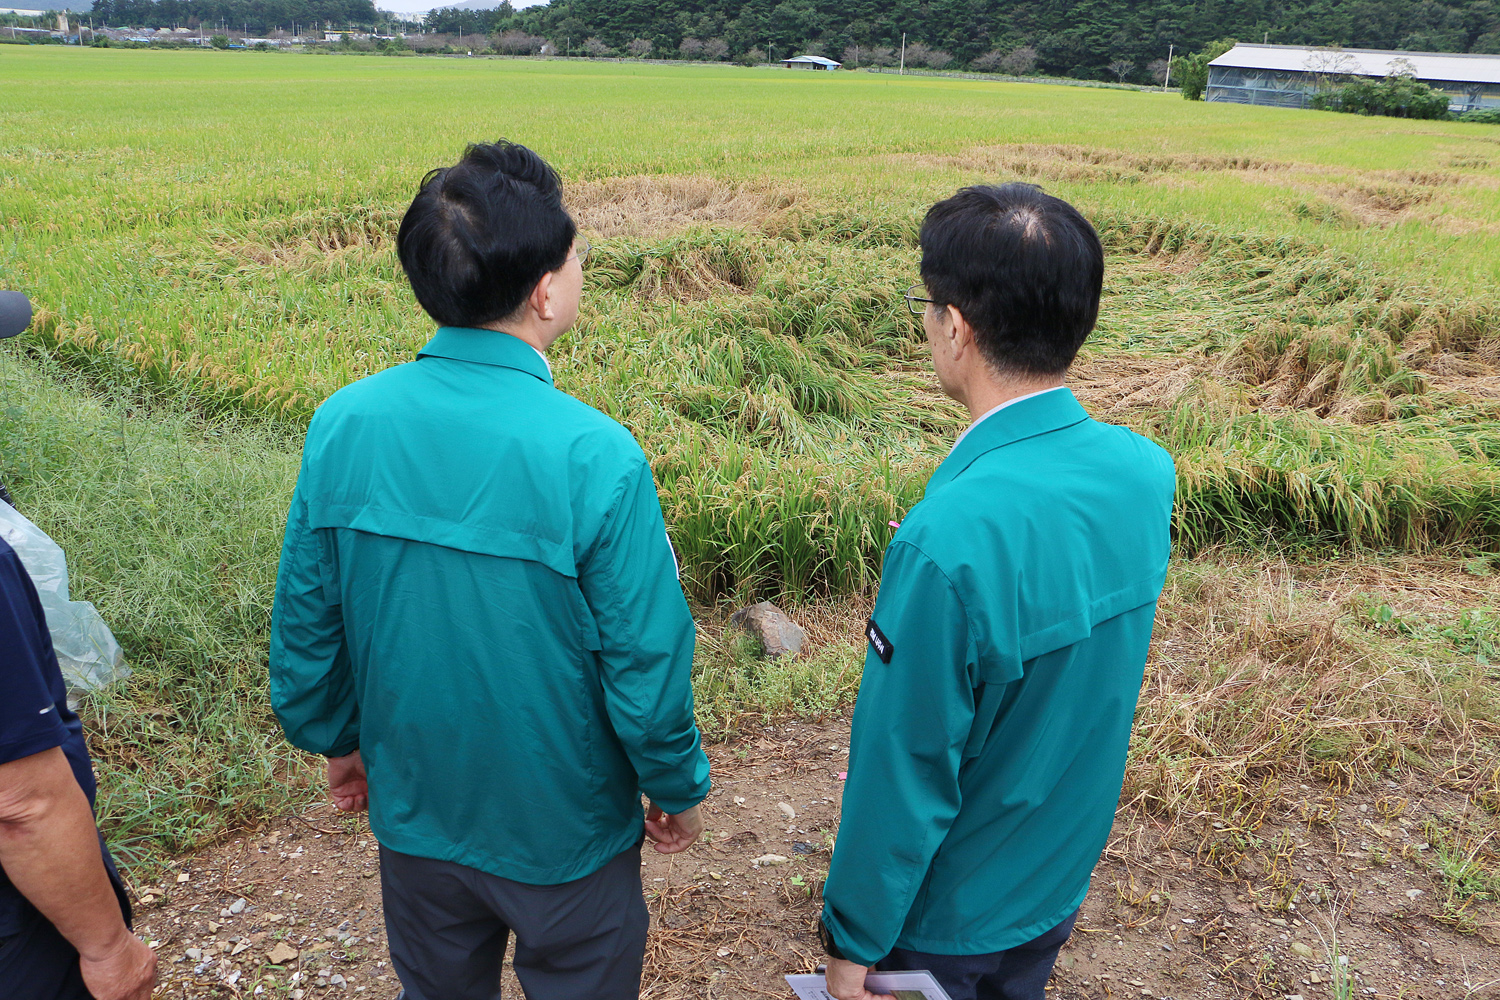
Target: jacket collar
1041, 414
487, 347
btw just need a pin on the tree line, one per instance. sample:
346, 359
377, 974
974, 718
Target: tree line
1124, 40
256, 16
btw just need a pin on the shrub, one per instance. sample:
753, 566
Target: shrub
715, 49
752, 57
1395, 96
221, 41
1192, 71
597, 48
1485, 116
1019, 61
518, 43
690, 48
639, 48
987, 63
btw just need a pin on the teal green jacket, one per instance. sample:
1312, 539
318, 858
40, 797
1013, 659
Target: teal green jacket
1006, 653
477, 592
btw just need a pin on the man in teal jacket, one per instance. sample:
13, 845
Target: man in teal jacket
478, 618
1007, 645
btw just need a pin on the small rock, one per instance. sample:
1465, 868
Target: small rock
724, 953
1302, 950
1277, 921
237, 907
778, 634
281, 954
213, 927
786, 810
232, 978
183, 877
336, 980
1413, 893
242, 946
768, 860
803, 847
194, 954
739, 800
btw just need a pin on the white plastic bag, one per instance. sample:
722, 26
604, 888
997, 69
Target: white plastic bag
86, 649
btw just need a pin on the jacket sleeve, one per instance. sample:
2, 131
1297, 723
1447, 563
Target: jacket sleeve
646, 638
911, 720
312, 685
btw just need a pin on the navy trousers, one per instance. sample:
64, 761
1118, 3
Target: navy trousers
38, 963
1018, 973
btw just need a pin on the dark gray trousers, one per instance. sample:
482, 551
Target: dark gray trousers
448, 926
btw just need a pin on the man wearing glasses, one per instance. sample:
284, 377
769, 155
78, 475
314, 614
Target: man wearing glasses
478, 618
1007, 645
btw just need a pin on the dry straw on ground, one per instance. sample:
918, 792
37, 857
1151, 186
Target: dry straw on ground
652, 207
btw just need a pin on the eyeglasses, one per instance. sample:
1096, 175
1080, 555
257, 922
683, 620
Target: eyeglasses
581, 248
917, 300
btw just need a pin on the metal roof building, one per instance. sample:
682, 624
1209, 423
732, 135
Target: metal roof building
1288, 75
810, 62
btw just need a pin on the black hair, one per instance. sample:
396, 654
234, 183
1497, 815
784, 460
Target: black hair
480, 234
1023, 267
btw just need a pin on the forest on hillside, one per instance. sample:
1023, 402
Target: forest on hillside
1089, 39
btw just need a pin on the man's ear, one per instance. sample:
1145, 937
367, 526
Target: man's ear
960, 334
541, 298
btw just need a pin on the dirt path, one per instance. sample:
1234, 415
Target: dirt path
293, 910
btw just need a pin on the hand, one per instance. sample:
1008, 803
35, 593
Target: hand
126, 971
673, 833
846, 981
347, 784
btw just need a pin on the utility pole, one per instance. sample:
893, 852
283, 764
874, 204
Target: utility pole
903, 54
1170, 50
1265, 38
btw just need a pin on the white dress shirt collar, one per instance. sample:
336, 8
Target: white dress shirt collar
996, 409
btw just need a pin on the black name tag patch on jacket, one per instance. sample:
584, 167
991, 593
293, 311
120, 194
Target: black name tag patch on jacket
883, 647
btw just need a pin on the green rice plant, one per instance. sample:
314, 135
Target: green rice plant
770, 368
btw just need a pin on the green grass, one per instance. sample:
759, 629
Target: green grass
172, 527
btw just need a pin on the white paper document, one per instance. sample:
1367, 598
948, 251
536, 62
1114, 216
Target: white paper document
901, 985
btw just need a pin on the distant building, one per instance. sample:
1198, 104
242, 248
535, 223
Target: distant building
1286, 76
810, 62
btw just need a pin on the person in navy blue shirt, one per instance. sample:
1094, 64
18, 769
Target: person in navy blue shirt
64, 917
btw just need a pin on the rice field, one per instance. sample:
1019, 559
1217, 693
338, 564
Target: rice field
1300, 306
